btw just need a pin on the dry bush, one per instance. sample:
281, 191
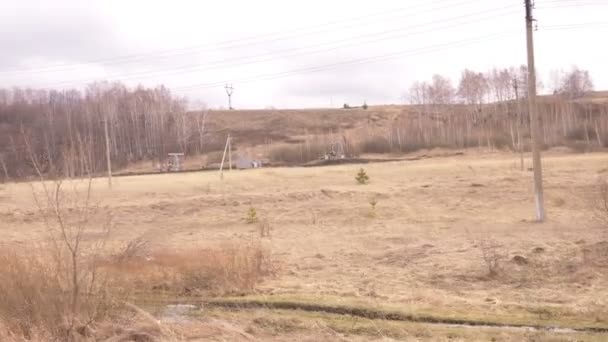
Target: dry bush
230, 268
31, 296
36, 299
137, 247
579, 133
57, 289
599, 202
500, 141
225, 270
214, 157
265, 227
380, 144
312, 149
300, 153
492, 254
602, 200
376, 144
373, 201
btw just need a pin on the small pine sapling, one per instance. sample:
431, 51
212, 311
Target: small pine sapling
252, 216
362, 177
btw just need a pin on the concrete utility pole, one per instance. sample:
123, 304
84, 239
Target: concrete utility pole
534, 131
108, 159
229, 91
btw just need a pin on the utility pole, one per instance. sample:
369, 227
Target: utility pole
520, 123
224, 157
229, 91
534, 129
108, 159
229, 152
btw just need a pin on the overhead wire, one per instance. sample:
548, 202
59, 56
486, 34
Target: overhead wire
218, 64
334, 45
371, 59
235, 42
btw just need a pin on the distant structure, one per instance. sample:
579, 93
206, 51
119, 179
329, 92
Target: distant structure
174, 163
243, 162
229, 91
335, 151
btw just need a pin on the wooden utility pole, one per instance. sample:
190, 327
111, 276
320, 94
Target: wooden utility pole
224, 157
229, 152
534, 131
229, 91
108, 159
520, 123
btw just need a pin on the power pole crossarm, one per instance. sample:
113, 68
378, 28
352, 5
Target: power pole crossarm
534, 126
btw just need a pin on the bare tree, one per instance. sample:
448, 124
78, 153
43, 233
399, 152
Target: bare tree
441, 91
575, 83
67, 210
473, 88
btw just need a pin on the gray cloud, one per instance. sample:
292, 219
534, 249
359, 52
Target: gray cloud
51, 34
37, 33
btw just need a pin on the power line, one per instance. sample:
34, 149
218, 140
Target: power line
375, 59
222, 64
233, 43
380, 58
219, 64
372, 59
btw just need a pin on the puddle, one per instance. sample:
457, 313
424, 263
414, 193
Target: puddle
177, 313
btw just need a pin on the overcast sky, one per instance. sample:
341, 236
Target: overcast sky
290, 53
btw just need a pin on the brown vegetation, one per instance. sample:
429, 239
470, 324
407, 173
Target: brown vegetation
485, 110
36, 302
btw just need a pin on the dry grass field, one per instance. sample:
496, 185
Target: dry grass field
449, 239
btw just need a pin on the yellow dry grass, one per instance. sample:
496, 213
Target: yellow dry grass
420, 250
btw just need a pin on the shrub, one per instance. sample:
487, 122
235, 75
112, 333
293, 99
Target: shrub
600, 204
225, 269
373, 201
214, 157
265, 227
36, 299
380, 144
376, 144
492, 254
252, 216
300, 153
228, 269
362, 177
576, 133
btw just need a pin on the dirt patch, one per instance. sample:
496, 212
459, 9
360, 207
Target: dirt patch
519, 260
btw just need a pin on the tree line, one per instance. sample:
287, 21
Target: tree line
489, 109
63, 132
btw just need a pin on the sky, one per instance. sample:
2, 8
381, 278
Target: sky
290, 54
